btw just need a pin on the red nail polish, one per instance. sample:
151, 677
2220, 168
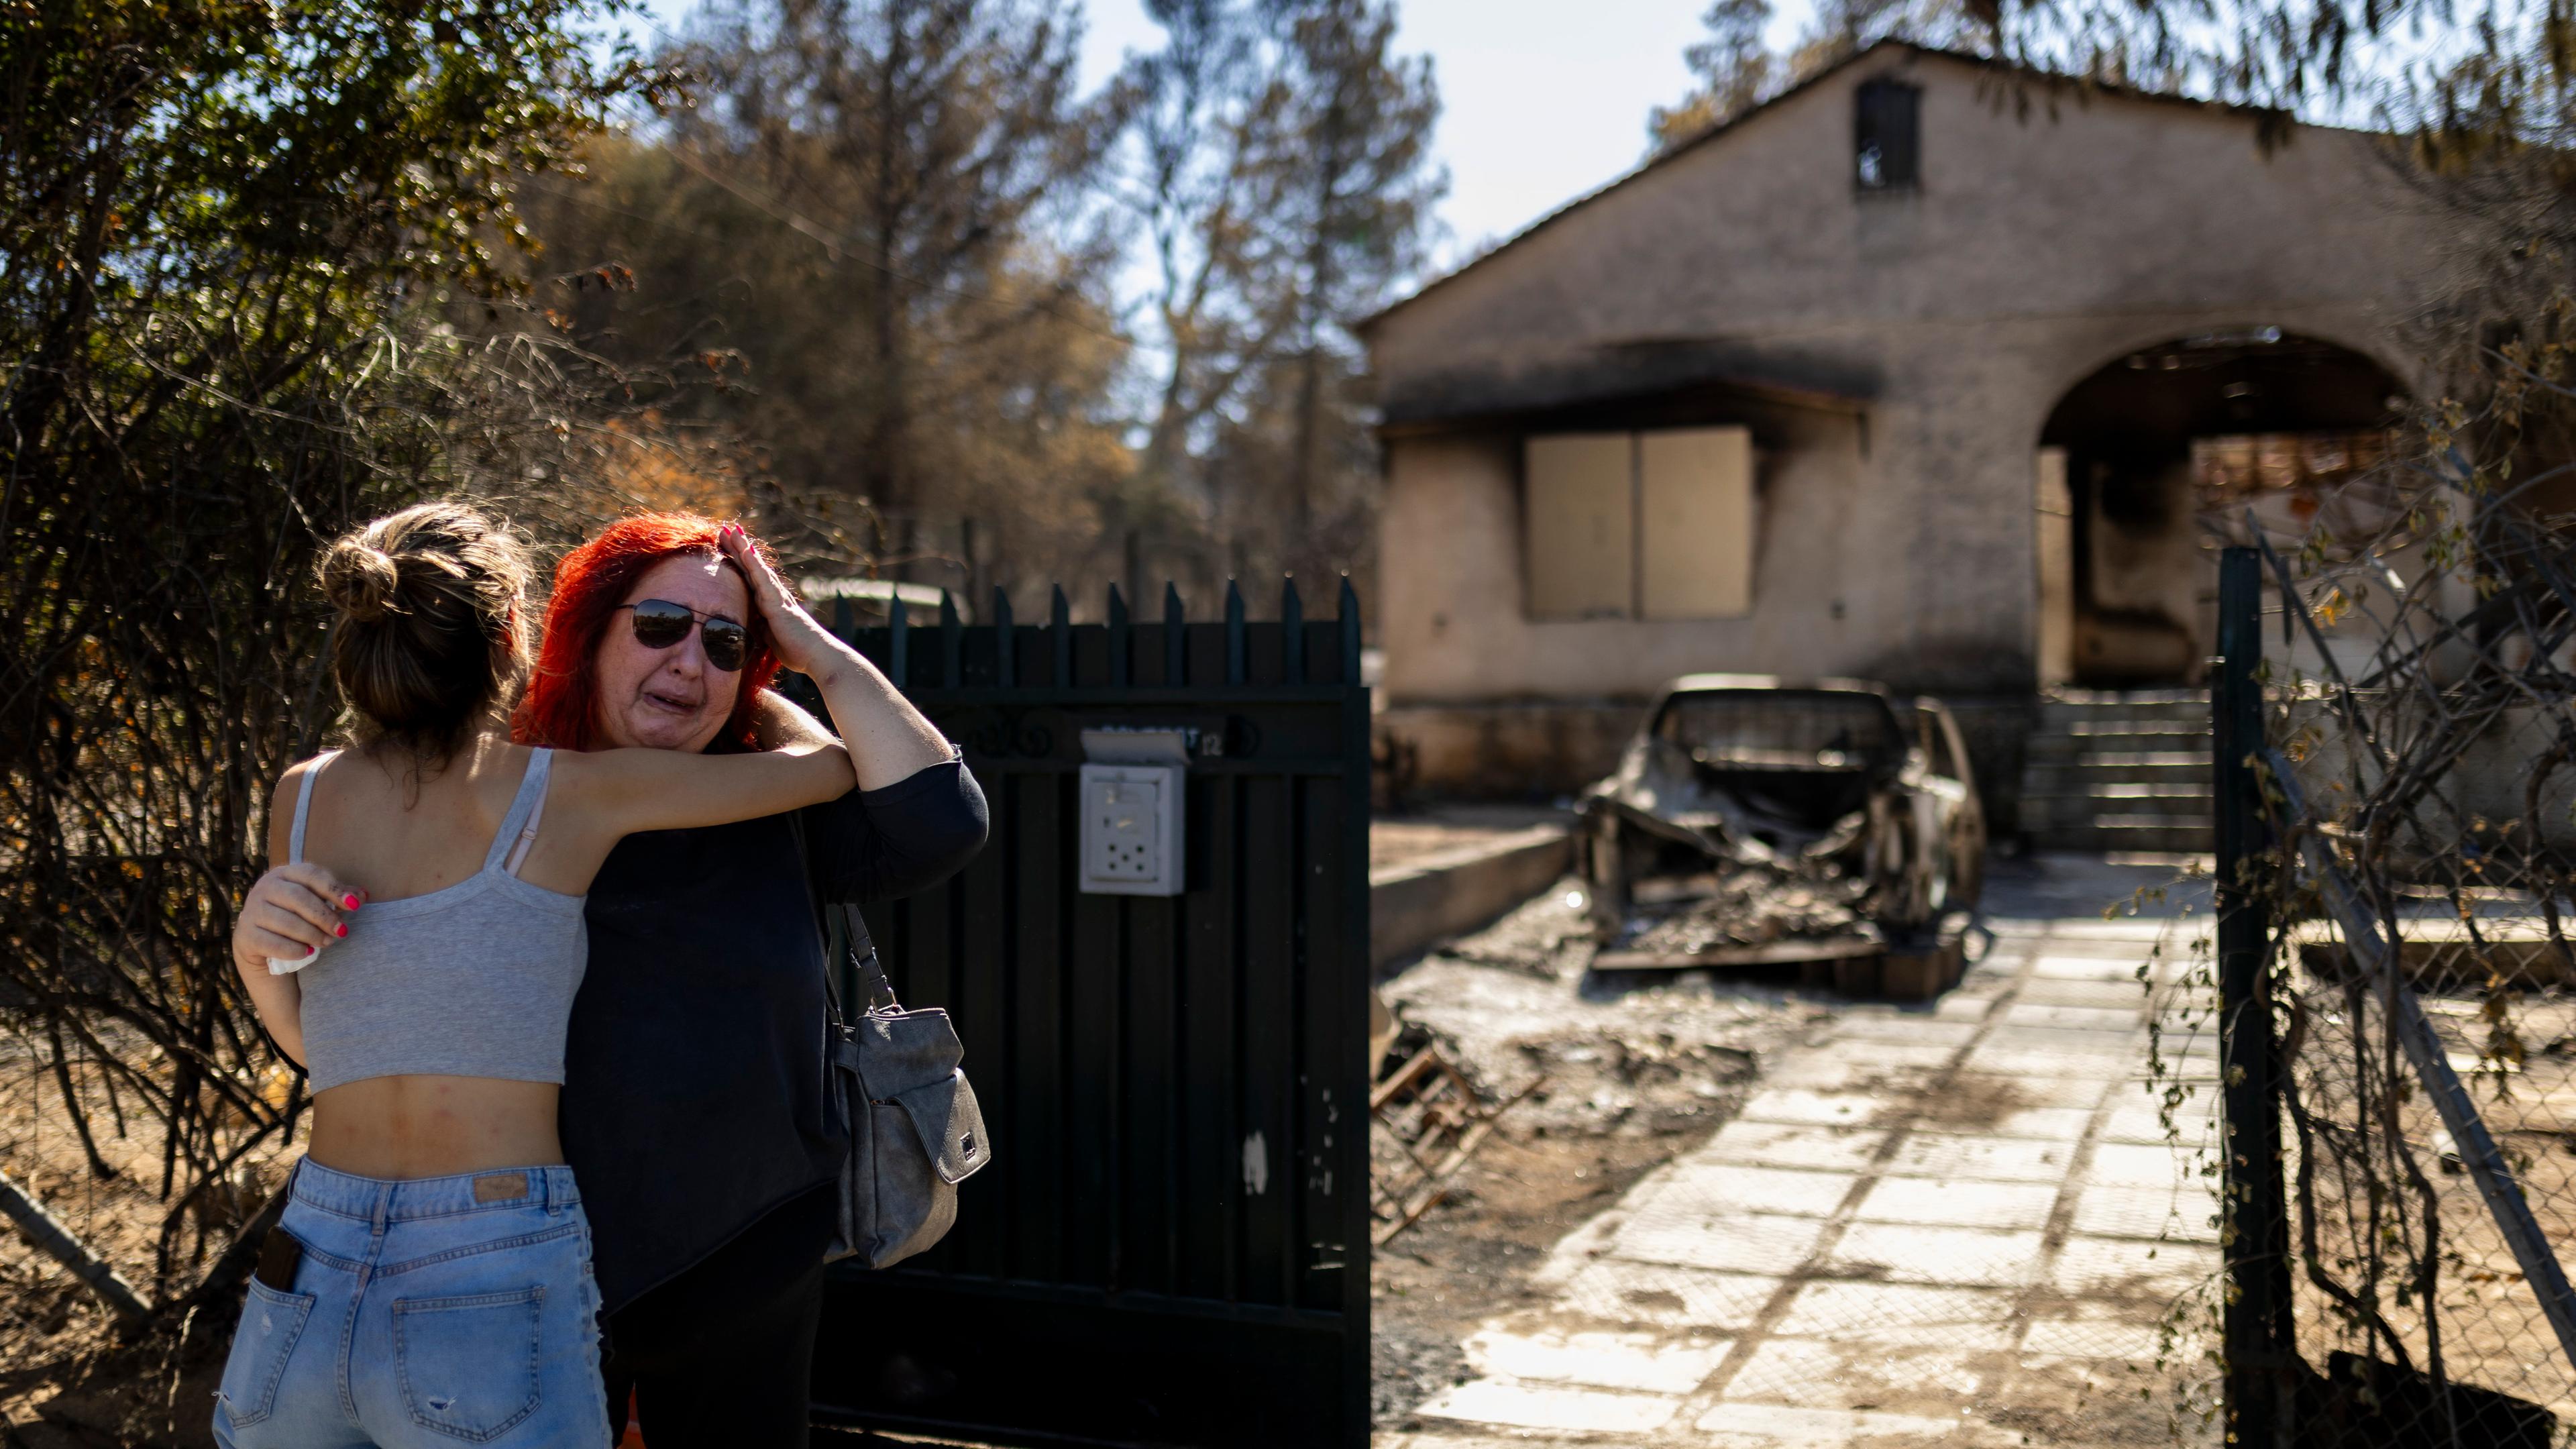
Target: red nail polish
350, 900
343, 930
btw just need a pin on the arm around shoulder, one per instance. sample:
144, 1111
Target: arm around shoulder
626, 790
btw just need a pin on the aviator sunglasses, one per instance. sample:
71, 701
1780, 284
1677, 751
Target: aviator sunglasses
659, 624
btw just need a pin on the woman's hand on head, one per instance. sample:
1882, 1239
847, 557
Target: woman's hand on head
802, 644
886, 738
290, 914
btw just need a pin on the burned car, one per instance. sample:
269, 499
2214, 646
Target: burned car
1747, 809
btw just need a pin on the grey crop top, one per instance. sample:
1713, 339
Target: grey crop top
475, 980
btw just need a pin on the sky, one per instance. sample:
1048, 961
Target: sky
1542, 101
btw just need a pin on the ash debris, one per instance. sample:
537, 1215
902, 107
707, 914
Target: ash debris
1639, 1068
1745, 906
1409, 1363
1667, 1054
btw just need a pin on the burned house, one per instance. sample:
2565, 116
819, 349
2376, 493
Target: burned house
1929, 372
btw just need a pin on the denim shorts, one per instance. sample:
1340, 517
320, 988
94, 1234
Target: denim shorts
434, 1312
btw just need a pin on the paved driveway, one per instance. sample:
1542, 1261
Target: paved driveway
1961, 1224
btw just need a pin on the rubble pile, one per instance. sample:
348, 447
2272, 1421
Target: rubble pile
1516, 1001
1549, 937
1748, 906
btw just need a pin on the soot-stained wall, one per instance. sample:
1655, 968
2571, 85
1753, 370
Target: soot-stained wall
1899, 356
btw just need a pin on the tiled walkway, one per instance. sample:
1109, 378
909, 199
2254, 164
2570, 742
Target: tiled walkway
1960, 1225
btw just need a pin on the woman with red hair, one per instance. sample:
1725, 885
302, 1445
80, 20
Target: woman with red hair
694, 1092
694, 1074
562, 706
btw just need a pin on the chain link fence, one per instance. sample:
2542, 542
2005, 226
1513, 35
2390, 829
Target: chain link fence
2395, 1264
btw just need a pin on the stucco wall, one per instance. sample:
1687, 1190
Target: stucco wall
2036, 250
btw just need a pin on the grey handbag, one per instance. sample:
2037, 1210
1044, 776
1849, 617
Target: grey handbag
896, 1091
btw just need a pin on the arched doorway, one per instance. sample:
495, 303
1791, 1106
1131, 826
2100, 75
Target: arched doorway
2150, 463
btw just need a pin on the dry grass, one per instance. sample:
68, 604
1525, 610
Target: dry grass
64, 1376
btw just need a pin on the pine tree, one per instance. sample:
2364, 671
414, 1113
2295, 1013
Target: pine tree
883, 215
1290, 191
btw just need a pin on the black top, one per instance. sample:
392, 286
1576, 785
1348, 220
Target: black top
693, 1072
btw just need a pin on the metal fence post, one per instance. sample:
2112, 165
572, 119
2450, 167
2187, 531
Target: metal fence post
2256, 1320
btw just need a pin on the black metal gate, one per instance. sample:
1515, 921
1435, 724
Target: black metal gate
1171, 1246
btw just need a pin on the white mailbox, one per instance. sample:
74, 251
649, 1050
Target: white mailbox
1133, 798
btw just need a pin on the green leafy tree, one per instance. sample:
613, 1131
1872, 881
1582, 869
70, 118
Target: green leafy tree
227, 232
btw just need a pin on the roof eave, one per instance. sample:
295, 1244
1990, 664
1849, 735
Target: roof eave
1364, 325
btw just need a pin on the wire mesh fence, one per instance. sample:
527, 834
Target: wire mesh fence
2413, 1306
106, 1224
2417, 712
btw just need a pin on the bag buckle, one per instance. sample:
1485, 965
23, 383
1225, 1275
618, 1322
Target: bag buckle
873, 978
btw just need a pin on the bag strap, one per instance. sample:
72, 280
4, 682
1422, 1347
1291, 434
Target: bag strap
845, 937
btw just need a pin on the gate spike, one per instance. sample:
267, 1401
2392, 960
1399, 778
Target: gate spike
898, 640
1349, 604
1003, 636
951, 639
1175, 635
1233, 633
1060, 630
1292, 632
1117, 636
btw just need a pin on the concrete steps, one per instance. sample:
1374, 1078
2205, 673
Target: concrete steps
2120, 771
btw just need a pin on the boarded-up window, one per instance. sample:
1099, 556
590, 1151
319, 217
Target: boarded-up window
1581, 525
1887, 131
1695, 523
1640, 525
